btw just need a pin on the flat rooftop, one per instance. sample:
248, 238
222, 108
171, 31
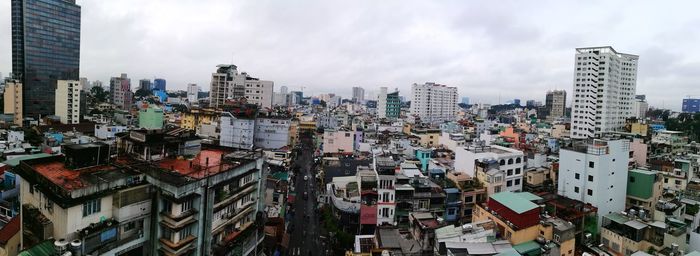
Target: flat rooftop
207, 162
72, 179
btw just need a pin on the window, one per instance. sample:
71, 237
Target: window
469, 199
631, 179
590, 177
678, 182
509, 183
517, 170
510, 161
186, 206
517, 160
590, 192
451, 211
591, 164
577, 176
517, 182
92, 206
576, 189
510, 172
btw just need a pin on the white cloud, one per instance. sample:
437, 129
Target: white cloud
511, 49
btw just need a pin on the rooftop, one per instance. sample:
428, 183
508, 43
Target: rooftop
207, 162
518, 202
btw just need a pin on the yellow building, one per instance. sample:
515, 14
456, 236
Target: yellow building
518, 220
640, 129
13, 100
427, 137
196, 117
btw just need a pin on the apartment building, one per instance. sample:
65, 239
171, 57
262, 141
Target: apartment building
595, 172
228, 83
66, 198
338, 142
388, 104
236, 132
555, 102
434, 103
496, 161
120, 90
12, 98
67, 103
271, 132
604, 88
207, 198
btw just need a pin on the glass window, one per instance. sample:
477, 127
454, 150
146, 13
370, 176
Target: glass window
92, 206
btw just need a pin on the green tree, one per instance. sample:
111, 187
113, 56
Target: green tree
99, 94
143, 93
180, 108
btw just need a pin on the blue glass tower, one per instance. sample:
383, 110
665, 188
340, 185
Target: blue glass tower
45, 48
159, 84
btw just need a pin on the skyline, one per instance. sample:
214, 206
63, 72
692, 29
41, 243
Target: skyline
487, 51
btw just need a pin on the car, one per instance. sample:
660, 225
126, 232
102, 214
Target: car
306, 177
306, 195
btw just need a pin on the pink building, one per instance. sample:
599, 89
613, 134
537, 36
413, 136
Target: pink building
335, 142
639, 152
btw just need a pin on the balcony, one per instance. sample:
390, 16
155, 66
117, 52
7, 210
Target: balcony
132, 211
177, 222
182, 247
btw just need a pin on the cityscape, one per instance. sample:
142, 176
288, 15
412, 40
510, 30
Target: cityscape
605, 161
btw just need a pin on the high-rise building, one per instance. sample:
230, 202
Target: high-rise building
433, 103
85, 84
227, 83
297, 97
605, 82
145, 84
283, 89
13, 100
159, 84
120, 90
97, 83
381, 102
595, 172
67, 103
358, 94
691, 105
465, 100
516, 102
640, 107
556, 104
192, 93
45, 48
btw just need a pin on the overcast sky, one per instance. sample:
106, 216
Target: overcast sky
488, 49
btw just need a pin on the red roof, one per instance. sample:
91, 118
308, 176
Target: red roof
9, 230
198, 167
66, 178
368, 214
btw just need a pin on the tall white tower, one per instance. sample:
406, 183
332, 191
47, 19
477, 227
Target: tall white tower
605, 83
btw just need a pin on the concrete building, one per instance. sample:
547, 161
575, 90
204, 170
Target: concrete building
509, 161
595, 172
358, 94
206, 205
271, 133
145, 84
236, 132
691, 105
60, 200
228, 83
151, 118
85, 84
108, 132
434, 103
605, 83
67, 103
556, 104
465, 100
644, 190
192, 93
381, 102
45, 48
120, 90
338, 141
12, 98
640, 108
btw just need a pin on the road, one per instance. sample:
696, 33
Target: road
304, 238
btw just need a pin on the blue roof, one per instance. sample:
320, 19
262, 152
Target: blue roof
451, 190
517, 202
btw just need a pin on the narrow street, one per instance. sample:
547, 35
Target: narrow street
305, 225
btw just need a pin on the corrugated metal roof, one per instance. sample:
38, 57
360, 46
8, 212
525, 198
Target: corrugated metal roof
15, 161
514, 201
44, 248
